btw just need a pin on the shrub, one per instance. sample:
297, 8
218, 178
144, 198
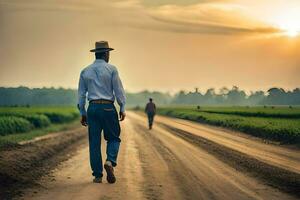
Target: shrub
59, 117
285, 130
24, 119
11, 124
38, 120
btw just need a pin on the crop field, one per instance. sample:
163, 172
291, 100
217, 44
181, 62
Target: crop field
280, 124
22, 123
18, 120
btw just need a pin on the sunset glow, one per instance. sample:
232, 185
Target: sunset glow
291, 29
165, 45
289, 22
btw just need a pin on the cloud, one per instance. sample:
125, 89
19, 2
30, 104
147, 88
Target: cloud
32, 5
218, 17
211, 18
176, 2
207, 28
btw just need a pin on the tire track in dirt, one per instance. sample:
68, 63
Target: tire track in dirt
200, 175
158, 183
175, 167
282, 179
286, 157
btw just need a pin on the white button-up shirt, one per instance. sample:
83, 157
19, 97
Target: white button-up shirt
100, 80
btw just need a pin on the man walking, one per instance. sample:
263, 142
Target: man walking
101, 83
150, 110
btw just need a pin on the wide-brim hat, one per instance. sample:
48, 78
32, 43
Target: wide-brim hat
101, 47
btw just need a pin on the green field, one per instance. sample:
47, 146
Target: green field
23, 123
274, 123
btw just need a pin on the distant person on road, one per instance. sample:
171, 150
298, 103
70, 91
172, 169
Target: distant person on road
101, 83
150, 110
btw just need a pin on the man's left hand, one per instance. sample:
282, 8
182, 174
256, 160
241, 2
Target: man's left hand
122, 116
83, 120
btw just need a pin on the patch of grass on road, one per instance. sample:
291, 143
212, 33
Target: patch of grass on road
279, 128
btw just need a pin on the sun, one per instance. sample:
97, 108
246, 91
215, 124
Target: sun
290, 29
292, 33
289, 24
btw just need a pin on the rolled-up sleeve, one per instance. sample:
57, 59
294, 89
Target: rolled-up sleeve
82, 90
119, 90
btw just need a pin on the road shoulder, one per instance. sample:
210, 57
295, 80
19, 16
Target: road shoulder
22, 165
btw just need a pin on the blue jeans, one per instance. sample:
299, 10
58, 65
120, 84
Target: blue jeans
103, 117
150, 118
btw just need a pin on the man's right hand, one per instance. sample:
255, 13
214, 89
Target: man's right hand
122, 116
83, 120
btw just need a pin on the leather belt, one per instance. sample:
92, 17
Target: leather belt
101, 101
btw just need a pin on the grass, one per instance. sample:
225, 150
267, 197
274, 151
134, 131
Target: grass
38, 109
14, 139
23, 119
271, 111
268, 123
25, 123
11, 124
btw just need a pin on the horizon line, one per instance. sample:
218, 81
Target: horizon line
192, 90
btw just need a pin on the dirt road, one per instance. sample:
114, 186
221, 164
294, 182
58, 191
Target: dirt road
159, 164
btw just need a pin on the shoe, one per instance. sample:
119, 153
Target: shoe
110, 172
97, 180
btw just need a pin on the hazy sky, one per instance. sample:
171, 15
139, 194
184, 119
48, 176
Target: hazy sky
162, 45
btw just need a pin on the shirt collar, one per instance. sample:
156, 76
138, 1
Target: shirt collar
99, 61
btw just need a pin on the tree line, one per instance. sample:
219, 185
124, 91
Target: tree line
236, 96
24, 96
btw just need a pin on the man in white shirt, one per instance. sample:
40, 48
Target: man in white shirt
101, 83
